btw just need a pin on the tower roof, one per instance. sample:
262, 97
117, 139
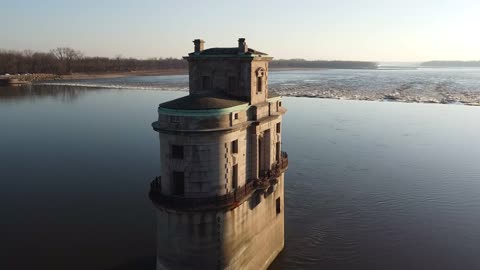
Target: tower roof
203, 102
207, 101
233, 51
242, 51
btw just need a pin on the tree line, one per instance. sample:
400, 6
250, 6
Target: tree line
302, 63
66, 60
451, 64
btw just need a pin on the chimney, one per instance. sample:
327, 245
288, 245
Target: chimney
198, 45
242, 45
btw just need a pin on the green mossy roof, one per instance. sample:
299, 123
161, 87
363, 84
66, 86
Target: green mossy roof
203, 102
207, 101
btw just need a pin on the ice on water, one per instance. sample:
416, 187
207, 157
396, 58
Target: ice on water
423, 85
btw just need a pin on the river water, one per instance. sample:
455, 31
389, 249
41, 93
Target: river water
370, 185
408, 84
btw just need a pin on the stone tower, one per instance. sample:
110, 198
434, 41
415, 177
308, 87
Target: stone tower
220, 199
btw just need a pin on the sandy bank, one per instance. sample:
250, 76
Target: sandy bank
79, 76
160, 72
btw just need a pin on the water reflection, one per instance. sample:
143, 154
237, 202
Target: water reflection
33, 92
371, 185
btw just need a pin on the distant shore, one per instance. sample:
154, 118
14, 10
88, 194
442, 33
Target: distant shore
39, 77
83, 76
159, 72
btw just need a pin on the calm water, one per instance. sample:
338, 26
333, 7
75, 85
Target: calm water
371, 185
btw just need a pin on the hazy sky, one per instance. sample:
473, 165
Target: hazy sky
379, 30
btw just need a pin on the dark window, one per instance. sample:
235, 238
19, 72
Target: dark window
235, 116
259, 84
177, 151
206, 83
278, 128
277, 151
232, 84
277, 204
235, 146
260, 156
235, 176
174, 119
178, 183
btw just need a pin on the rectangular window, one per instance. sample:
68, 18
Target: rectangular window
259, 84
259, 157
178, 183
278, 128
277, 151
235, 116
235, 146
177, 151
277, 204
206, 83
235, 176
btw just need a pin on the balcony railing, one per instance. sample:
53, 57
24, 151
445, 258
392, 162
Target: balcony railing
227, 201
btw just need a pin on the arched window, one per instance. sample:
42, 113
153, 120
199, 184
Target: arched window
260, 74
259, 84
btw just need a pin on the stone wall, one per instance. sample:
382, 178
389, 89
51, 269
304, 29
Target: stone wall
207, 162
208, 158
234, 76
248, 237
177, 121
258, 97
226, 75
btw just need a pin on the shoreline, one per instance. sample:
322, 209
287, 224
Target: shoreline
108, 75
43, 77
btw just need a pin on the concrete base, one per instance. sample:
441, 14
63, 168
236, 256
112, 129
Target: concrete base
248, 237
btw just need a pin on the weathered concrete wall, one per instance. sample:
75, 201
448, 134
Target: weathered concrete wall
248, 237
237, 77
258, 97
198, 123
207, 162
208, 157
267, 132
226, 75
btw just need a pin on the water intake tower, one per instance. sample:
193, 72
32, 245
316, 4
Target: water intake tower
220, 197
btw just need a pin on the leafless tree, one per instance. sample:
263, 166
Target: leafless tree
67, 56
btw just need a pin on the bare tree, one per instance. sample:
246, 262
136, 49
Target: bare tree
67, 56
66, 60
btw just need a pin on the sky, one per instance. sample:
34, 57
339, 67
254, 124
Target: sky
370, 30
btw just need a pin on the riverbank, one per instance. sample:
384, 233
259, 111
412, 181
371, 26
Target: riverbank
37, 77
107, 75
43, 77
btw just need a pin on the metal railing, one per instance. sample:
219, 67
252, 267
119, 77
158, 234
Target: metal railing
229, 200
